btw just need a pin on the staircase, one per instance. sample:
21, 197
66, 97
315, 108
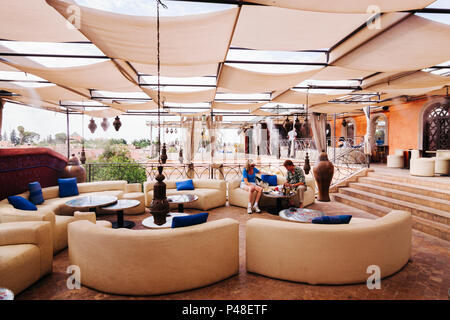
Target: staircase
379, 193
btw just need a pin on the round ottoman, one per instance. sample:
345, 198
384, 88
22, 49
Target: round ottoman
135, 196
422, 167
442, 165
394, 161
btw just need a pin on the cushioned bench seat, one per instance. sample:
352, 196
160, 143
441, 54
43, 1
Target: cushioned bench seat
211, 193
54, 209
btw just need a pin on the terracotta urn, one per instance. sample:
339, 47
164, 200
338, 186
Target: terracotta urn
323, 173
75, 170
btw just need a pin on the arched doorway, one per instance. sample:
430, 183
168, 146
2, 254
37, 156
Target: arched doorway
379, 128
348, 130
436, 126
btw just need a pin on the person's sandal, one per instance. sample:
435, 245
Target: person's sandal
249, 210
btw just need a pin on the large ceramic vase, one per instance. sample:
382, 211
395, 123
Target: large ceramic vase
159, 208
75, 170
323, 173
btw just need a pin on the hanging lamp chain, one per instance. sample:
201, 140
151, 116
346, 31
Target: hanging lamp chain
158, 3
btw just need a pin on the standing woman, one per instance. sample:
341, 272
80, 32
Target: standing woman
248, 183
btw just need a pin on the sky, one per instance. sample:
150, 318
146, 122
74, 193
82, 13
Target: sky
133, 127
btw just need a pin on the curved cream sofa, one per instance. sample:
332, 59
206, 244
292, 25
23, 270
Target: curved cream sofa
328, 254
239, 197
211, 193
54, 209
150, 262
26, 253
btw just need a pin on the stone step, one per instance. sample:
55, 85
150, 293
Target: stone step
418, 181
432, 228
366, 206
420, 199
415, 209
403, 186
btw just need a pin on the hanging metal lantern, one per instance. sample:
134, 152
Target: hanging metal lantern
92, 125
288, 125
171, 131
297, 124
117, 124
167, 130
105, 124
163, 154
175, 130
344, 123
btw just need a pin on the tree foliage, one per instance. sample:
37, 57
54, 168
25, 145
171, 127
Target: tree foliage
27, 136
142, 143
118, 165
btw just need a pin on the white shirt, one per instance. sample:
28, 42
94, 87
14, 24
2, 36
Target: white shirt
292, 134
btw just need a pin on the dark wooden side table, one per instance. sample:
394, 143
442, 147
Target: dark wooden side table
119, 207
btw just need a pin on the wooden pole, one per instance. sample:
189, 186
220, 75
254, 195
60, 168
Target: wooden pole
68, 134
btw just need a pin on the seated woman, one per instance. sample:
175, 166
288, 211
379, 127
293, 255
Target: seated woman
295, 179
248, 183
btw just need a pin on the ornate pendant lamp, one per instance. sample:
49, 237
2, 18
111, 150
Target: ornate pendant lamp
92, 125
159, 207
117, 124
344, 123
105, 124
287, 124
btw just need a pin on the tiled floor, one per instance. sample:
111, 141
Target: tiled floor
426, 276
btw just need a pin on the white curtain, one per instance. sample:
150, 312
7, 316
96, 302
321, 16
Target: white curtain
368, 136
318, 123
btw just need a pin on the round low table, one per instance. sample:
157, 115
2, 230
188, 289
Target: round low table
181, 199
150, 222
278, 196
119, 207
91, 202
300, 214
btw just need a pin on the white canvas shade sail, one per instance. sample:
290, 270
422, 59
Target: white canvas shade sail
236, 106
416, 80
272, 28
337, 73
195, 70
347, 6
181, 97
298, 97
335, 107
104, 113
414, 43
185, 40
99, 76
53, 93
244, 81
135, 106
35, 20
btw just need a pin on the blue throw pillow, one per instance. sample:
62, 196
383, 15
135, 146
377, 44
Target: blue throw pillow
270, 179
68, 187
342, 219
36, 196
190, 220
185, 185
21, 203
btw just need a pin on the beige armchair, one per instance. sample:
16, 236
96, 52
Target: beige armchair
26, 253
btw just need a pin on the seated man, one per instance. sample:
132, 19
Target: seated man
295, 179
